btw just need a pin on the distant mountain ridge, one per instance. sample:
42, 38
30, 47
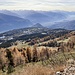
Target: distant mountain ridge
41, 16
7, 12
15, 19
70, 25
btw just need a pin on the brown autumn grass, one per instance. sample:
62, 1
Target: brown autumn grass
37, 70
33, 70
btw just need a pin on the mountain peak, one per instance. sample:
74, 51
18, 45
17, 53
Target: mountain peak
37, 25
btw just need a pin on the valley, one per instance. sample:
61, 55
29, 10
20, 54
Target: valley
37, 42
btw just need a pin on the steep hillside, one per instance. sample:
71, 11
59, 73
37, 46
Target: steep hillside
51, 60
8, 22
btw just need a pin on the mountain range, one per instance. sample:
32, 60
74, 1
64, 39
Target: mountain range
41, 16
16, 19
70, 25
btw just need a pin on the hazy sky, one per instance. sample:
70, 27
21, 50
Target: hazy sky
68, 5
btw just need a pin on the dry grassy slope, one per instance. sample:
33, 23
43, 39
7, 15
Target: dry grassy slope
53, 64
46, 69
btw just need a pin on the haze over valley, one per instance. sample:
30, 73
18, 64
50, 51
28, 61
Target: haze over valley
37, 37
16, 19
